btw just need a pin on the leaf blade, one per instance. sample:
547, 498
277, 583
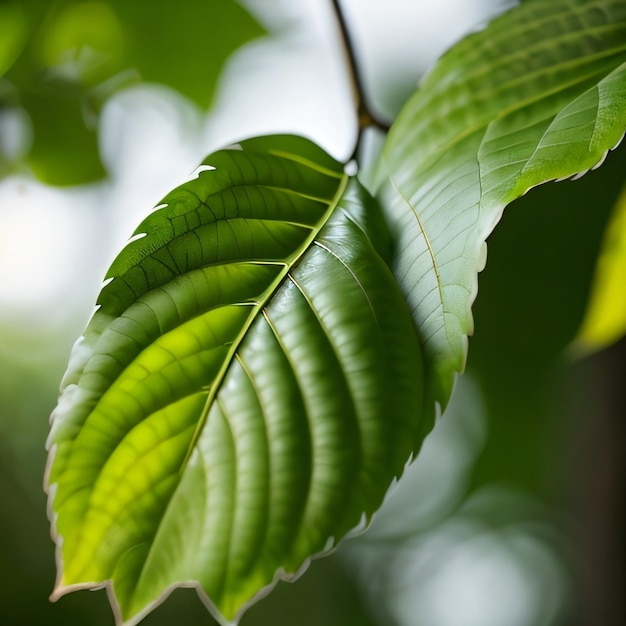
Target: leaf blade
237, 403
470, 141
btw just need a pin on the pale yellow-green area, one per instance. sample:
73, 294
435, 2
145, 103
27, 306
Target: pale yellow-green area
605, 320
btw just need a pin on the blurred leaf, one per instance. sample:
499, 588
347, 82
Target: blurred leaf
194, 40
80, 53
244, 394
65, 148
539, 94
13, 33
605, 319
81, 43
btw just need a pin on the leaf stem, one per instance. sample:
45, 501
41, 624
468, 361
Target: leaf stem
365, 116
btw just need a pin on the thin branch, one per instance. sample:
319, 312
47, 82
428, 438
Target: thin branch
366, 117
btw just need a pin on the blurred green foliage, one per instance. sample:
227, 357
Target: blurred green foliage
60, 61
529, 309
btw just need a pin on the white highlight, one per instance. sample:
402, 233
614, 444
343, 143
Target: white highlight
351, 168
136, 237
201, 168
44, 234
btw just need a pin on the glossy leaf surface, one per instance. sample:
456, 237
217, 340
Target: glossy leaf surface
540, 94
248, 388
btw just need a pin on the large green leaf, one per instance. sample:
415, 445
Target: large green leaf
247, 389
539, 95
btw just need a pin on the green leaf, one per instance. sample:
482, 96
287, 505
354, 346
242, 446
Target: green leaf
13, 31
80, 53
539, 95
64, 149
247, 389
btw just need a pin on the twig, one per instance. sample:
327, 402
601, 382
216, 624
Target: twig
366, 117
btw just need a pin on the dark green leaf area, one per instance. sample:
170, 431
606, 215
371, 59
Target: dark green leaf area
245, 210
247, 390
316, 413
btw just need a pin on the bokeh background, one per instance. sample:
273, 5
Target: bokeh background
513, 514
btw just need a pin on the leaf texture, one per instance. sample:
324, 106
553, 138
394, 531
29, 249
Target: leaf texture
539, 95
247, 389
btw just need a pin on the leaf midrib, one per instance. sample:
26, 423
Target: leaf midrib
257, 309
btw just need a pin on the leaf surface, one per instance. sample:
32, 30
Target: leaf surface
247, 389
539, 95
